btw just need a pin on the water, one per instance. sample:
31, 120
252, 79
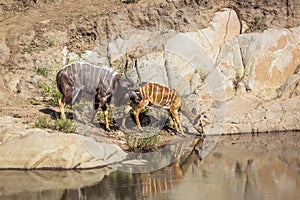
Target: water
265, 166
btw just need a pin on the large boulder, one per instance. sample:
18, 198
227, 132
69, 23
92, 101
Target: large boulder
269, 59
27, 148
248, 114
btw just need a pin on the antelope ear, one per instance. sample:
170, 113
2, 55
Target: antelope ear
135, 96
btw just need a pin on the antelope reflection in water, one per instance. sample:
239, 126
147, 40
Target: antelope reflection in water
168, 178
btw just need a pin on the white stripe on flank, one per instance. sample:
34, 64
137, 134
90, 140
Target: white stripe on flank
156, 93
85, 73
147, 90
72, 74
81, 76
167, 101
151, 95
174, 95
103, 76
93, 79
162, 95
87, 76
72, 78
74, 69
179, 102
98, 77
66, 70
143, 92
111, 81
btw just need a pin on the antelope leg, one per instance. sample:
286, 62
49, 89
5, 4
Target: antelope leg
126, 110
136, 112
62, 109
77, 115
94, 112
178, 127
106, 120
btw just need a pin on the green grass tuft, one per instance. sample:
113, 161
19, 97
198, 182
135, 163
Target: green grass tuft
43, 71
51, 91
258, 24
63, 125
35, 102
51, 42
143, 144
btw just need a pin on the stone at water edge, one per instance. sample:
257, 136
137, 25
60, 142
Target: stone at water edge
36, 148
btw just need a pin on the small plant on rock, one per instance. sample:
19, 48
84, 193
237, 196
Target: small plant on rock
258, 24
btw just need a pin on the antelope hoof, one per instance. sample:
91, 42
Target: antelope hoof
63, 116
140, 129
123, 124
201, 135
180, 133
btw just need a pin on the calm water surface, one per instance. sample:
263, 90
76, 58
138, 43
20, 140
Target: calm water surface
265, 166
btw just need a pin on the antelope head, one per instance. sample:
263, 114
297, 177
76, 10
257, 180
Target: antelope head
123, 91
133, 89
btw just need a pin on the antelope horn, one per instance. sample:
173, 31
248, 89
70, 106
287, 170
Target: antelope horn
137, 71
126, 75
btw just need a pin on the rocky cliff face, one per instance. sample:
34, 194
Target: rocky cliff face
244, 82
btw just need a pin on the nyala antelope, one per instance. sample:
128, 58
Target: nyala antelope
156, 95
80, 79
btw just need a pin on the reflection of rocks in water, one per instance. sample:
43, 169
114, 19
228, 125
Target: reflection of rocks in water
15, 181
250, 167
118, 185
238, 169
